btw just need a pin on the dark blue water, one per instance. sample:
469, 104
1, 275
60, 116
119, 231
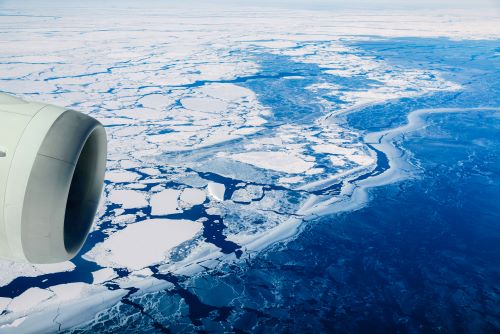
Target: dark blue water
473, 64
423, 255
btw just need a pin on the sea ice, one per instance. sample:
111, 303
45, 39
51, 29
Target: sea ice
156, 101
175, 107
334, 149
193, 196
118, 176
29, 299
227, 92
103, 275
216, 190
165, 202
152, 239
128, 199
69, 291
247, 194
278, 161
204, 104
3, 303
11, 270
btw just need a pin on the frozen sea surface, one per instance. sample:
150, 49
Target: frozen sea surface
270, 170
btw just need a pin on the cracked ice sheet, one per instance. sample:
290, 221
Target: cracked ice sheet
58, 308
163, 87
34, 297
213, 114
389, 82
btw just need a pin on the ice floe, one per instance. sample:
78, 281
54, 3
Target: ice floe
103, 275
165, 202
216, 190
121, 176
184, 121
152, 239
248, 194
128, 199
193, 196
278, 161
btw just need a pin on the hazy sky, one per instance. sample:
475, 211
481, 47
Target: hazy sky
373, 4
302, 4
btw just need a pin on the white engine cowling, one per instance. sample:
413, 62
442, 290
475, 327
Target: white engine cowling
52, 165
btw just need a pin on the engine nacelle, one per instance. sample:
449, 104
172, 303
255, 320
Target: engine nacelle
52, 165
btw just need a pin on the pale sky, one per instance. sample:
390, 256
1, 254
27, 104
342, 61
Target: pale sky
487, 8
371, 4
296, 4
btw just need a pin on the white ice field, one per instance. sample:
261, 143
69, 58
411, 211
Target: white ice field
201, 169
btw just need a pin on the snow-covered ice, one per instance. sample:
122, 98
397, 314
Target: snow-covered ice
29, 299
193, 196
227, 126
128, 199
278, 161
216, 190
152, 239
165, 202
103, 275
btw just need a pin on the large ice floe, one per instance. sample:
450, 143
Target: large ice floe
225, 134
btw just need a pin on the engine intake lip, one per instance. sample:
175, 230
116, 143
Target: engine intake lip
84, 192
64, 189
